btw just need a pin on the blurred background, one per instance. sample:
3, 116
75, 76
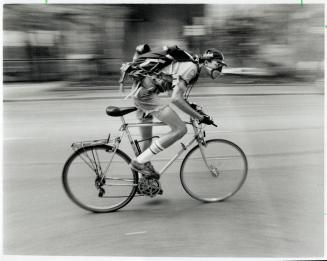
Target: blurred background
86, 44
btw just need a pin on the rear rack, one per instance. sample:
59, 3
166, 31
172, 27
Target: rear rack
82, 144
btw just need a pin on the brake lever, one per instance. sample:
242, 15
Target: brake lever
213, 122
199, 110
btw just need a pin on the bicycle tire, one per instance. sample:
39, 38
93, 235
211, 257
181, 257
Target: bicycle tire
220, 181
74, 172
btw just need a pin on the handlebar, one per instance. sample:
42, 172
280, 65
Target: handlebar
199, 110
214, 124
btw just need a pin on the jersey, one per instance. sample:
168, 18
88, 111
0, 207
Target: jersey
187, 71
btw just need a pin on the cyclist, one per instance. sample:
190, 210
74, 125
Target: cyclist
149, 104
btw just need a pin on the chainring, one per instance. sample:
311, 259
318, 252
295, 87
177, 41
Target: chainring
149, 187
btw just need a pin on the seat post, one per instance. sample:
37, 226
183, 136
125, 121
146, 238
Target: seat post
122, 120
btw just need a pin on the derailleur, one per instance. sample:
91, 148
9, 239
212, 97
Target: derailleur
149, 187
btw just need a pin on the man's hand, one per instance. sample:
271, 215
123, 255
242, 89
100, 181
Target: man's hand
207, 120
197, 108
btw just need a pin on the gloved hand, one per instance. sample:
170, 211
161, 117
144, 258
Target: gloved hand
207, 120
193, 105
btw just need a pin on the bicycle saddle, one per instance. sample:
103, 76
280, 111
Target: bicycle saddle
119, 111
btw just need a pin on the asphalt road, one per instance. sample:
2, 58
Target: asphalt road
278, 213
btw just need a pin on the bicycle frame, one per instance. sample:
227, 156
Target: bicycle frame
198, 136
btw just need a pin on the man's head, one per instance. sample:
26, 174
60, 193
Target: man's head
213, 61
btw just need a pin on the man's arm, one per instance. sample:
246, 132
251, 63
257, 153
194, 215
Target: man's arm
177, 99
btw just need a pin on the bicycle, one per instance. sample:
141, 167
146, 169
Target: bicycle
97, 176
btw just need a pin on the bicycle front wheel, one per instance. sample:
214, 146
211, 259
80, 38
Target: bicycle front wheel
98, 179
214, 171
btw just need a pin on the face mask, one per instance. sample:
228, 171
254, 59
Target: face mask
214, 73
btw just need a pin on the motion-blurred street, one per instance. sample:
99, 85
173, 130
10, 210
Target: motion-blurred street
278, 212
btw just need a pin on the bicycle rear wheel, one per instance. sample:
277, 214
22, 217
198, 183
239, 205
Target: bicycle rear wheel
97, 180
215, 171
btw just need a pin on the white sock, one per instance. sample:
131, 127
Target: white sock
154, 149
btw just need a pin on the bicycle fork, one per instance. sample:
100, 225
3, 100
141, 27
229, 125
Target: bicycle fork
213, 170
202, 144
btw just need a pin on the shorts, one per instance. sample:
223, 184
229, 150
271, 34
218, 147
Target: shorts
147, 103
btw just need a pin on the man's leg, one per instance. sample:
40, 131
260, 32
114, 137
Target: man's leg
177, 126
178, 130
146, 133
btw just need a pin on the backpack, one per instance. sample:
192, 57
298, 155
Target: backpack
149, 63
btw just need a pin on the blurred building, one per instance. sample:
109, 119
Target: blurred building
89, 42
74, 42
286, 39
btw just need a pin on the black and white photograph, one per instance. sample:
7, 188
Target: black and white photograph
169, 130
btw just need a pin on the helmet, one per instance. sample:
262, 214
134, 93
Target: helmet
213, 53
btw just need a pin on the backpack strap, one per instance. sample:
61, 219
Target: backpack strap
135, 87
193, 81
